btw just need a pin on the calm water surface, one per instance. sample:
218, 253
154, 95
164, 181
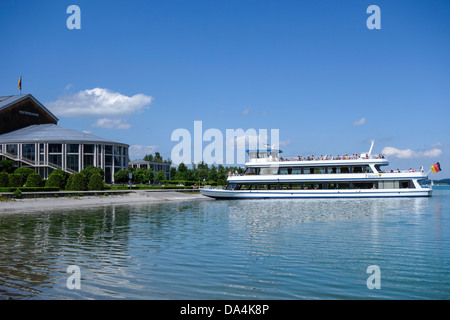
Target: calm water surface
249, 249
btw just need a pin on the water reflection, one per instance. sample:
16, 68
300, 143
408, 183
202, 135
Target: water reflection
37, 248
269, 249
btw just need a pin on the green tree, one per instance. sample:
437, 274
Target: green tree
77, 182
149, 175
57, 179
15, 180
142, 175
202, 174
4, 179
95, 182
221, 173
173, 172
121, 176
24, 172
7, 166
148, 157
90, 170
160, 176
182, 172
34, 180
157, 157
212, 173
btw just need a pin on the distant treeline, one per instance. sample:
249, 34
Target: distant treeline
442, 181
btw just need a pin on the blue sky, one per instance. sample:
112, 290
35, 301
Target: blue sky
311, 69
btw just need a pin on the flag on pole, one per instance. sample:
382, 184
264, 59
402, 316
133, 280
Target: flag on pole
436, 167
20, 83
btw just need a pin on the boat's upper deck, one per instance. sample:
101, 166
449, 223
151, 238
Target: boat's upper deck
272, 157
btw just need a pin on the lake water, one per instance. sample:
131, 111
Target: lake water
241, 249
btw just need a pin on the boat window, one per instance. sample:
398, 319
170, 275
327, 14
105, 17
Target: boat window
406, 184
307, 170
345, 170
388, 184
269, 170
319, 170
291, 186
284, 171
357, 169
362, 169
334, 170
297, 170
251, 171
232, 186
363, 185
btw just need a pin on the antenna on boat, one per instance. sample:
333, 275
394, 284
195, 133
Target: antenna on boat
371, 146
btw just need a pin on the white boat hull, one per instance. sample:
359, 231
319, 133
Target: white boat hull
264, 194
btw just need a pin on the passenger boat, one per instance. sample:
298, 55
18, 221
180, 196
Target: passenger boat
268, 175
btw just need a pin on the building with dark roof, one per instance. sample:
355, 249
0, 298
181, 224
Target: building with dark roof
31, 137
155, 166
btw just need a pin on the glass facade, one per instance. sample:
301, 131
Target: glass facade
71, 157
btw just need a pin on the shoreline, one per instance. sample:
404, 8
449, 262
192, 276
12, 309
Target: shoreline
32, 205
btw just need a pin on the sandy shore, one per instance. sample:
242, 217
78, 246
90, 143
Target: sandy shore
46, 204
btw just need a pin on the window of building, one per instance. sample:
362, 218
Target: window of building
108, 149
54, 148
73, 148
72, 162
12, 149
29, 151
88, 160
89, 148
55, 159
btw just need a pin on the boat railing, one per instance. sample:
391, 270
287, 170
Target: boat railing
321, 158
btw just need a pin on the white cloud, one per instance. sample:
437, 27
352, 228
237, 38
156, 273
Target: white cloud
409, 154
284, 143
111, 124
359, 122
139, 151
98, 102
437, 144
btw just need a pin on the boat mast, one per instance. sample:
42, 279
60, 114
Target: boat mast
371, 146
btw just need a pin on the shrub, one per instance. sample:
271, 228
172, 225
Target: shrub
17, 194
95, 182
15, 180
121, 176
91, 170
29, 189
24, 172
7, 166
77, 182
56, 180
4, 179
34, 180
